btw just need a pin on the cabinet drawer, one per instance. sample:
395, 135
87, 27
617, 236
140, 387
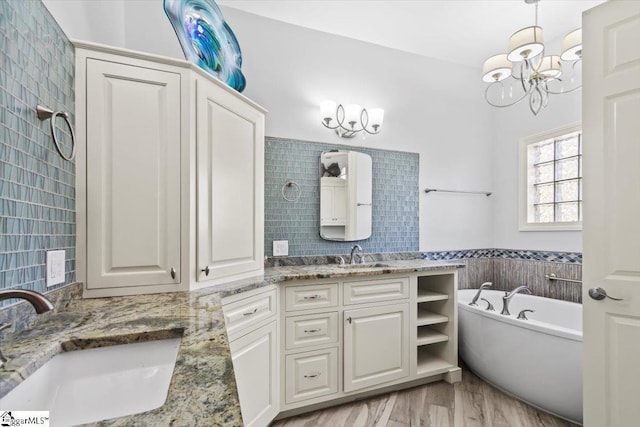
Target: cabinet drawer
365, 291
311, 374
243, 313
312, 329
311, 296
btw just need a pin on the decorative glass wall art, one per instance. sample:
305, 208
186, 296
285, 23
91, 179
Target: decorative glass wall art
206, 39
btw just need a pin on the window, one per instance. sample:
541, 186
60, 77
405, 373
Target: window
551, 180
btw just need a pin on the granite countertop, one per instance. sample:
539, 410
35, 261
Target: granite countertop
202, 390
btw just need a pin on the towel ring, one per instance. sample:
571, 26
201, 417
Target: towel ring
297, 191
45, 113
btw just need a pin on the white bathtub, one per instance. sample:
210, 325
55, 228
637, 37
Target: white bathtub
538, 360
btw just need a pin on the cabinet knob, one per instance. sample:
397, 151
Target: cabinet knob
206, 270
173, 273
349, 319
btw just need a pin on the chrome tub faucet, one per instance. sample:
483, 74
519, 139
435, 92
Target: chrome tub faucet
507, 297
485, 285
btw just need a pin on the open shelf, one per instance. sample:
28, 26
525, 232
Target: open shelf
427, 296
426, 317
429, 336
430, 364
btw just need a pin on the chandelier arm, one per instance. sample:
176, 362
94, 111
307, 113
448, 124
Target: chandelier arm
526, 62
339, 109
364, 121
535, 111
326, 122
505, 105
566, 91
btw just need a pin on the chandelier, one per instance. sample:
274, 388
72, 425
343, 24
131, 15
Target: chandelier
526, 72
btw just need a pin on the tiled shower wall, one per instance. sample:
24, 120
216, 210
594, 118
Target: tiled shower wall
508, 269
395, 199
37, 187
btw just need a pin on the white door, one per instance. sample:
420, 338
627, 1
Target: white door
255, 363
133, 176
376, 344
230, 152
611, 125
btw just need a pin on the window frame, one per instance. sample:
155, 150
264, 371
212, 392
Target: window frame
523, 172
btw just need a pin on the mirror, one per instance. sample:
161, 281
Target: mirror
345, 195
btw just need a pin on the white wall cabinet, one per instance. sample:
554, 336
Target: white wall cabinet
230, 152
133, 176
170, 170
333, 201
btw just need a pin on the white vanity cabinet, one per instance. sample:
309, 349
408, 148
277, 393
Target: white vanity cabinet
365, 334
252, 327
170, 171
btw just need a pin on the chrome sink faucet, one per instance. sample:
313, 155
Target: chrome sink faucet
39, 302
485, 285
354, 249
507, 297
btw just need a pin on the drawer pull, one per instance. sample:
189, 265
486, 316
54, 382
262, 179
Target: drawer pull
311, 376
312, 331
312, 297
251, 312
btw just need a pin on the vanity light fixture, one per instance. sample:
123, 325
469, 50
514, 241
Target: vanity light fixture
536, 76
350, 119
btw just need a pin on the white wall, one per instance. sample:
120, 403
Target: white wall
512, 124
101, 21
431, 107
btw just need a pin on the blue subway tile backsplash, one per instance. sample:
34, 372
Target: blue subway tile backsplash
37, 187
395, 199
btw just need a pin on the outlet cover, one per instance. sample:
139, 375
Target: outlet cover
280, 248
55, 267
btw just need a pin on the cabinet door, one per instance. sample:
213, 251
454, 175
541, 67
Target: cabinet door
230, 168
376, 345
340, 205
257, 375
133, 176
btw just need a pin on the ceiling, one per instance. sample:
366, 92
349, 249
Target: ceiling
465, 32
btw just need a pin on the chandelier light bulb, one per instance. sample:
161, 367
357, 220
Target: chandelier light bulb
352, 114
572, 46
496, 68
327, 110
550, 66
376, 117
525, 44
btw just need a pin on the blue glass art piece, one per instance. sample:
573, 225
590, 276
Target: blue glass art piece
206, 39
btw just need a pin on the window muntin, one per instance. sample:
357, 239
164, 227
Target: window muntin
553, 183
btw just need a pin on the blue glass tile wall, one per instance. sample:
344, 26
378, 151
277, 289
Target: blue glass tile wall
395, 199
37, 187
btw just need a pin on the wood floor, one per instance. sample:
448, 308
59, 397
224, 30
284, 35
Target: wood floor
470, 403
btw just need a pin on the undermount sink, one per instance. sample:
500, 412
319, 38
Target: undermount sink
365, 265
86, 386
